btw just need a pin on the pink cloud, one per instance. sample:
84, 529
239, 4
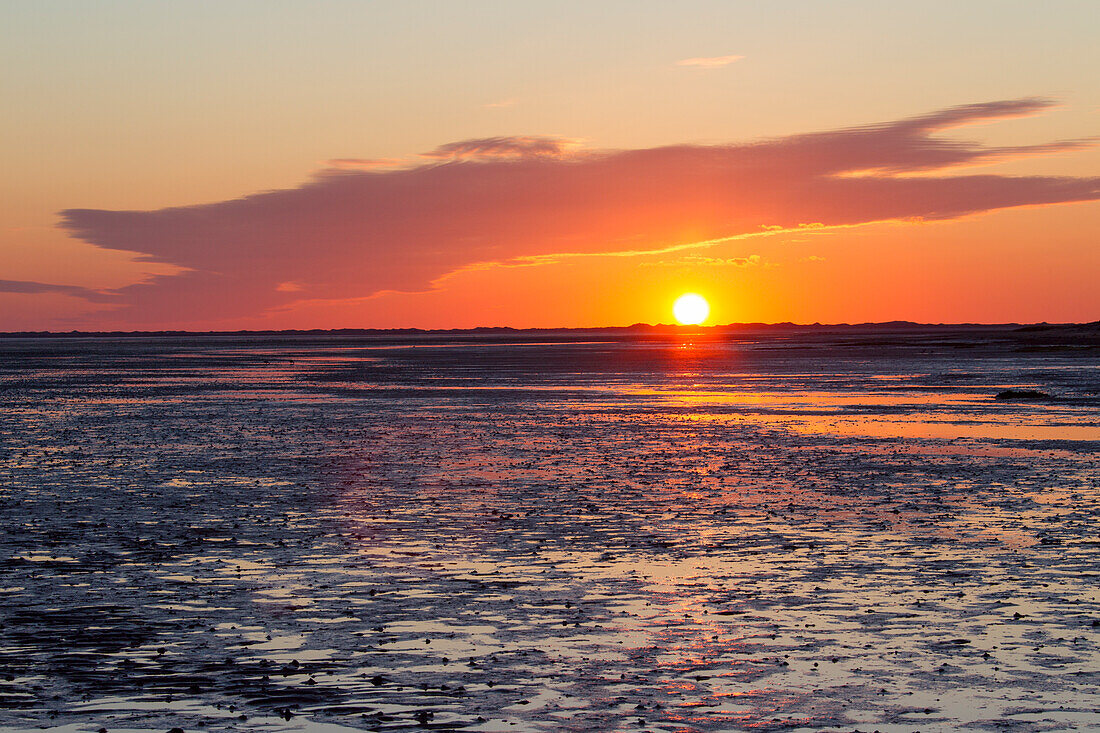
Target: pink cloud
350, 233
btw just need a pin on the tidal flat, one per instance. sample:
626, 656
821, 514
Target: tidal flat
794, 530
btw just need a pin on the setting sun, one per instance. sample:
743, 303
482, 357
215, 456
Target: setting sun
691, 309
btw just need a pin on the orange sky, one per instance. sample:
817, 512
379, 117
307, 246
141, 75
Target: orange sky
367, 166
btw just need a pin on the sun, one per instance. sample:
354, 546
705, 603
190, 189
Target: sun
691, 309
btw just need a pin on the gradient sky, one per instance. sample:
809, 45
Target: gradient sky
274, 164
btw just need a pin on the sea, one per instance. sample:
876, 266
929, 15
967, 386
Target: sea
781, 529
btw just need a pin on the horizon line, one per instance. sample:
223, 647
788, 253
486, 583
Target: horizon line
677, 328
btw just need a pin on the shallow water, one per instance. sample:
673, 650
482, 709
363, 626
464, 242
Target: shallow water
695, 535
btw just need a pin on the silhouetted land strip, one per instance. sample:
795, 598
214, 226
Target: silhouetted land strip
1060, 337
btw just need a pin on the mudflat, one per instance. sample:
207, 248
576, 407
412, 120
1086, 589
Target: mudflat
779, 530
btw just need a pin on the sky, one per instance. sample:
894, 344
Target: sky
356, 164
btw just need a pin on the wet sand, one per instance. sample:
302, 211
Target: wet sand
636, 534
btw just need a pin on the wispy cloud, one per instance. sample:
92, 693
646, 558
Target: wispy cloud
750, 261
353, 232
488, 148
516, 146
365, 163
710, 62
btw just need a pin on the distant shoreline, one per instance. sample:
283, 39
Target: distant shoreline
637, 328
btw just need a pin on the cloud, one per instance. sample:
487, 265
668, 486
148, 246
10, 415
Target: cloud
363, 163
750, 261
503, 147
488, 148
28, 287
709, 62
350, 233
